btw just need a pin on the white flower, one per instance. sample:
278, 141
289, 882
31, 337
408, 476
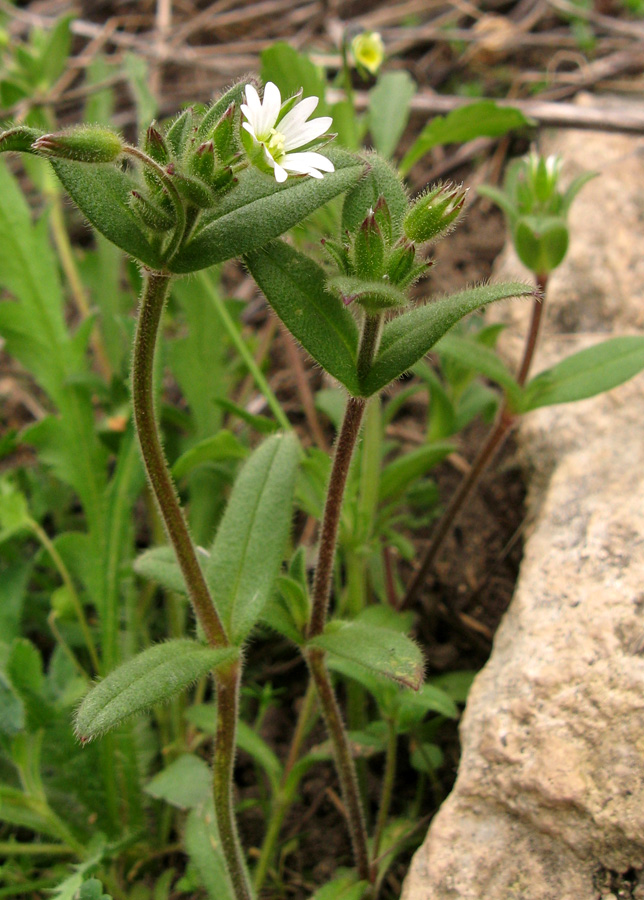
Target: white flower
278, 138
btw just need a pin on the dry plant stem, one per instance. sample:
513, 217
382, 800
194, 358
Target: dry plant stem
494, 441
155, 291
343, 758
227, 682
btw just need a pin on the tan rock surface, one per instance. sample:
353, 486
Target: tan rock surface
550, 790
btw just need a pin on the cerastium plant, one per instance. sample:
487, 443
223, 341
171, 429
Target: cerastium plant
227, 183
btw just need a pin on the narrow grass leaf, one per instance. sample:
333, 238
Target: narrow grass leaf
404, 470
153, 676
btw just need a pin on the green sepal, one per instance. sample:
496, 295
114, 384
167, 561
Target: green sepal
150, 677
155, 146
294, 286
411, 335
380, 180
258, 210
573, 189
180, 132
248, 549
223, 135
19, 139
369, 250
102, 193
382, 650
202, 161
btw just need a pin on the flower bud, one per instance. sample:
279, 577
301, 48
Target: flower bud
192, 189
369, 249
202, 162
87, 143
368, 51
20, 138
151, 215
401, 263
223, 135
542, 176
434, 212
541, 242
155, 146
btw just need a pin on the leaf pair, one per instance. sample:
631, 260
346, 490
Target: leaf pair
295, 288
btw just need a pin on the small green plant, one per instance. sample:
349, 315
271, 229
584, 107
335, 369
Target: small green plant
214, 184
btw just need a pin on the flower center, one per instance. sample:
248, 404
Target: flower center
275, 144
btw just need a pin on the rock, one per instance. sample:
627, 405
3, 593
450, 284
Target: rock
549, 799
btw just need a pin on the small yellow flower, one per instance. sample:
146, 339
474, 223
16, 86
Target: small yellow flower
368, 51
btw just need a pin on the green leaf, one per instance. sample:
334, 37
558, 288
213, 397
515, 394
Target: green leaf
374, 296
292, 71
409, 336
184, 783
138, 76
402, 472
587, 373
475, 356
482, 119
102, 193
153, 676
416, 704
258, 210
456, 684
92, 889
223, 445
262, 424
160, 564
56, 50
256, 747
12, 711
381, 650
389, 110
249, 547
203, 846
343, 887
379, 180
295, 288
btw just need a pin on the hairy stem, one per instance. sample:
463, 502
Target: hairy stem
155, 291
343, 759
227, 683
493, 443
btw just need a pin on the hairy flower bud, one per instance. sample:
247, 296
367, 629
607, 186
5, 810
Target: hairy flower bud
401, 263
369, 249
152, 216
155, 146
223, 135
87, 143
202, 161
433, 213
20, 138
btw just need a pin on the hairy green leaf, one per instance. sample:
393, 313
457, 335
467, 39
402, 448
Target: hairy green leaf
249, 547
409, 336
258, 210
203, 846
587, 373
102, 193
295, 288
160, 564
153, 676
184, 783
381, 650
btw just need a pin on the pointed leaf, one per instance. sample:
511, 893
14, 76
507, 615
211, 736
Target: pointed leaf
153, 676
258, 210
400, 473
587, 373
160, 564
481, 119
295, 288
249, 547
223, 445
381, 650
408, 337
184, 783
203, 846
472, 354
102, 193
